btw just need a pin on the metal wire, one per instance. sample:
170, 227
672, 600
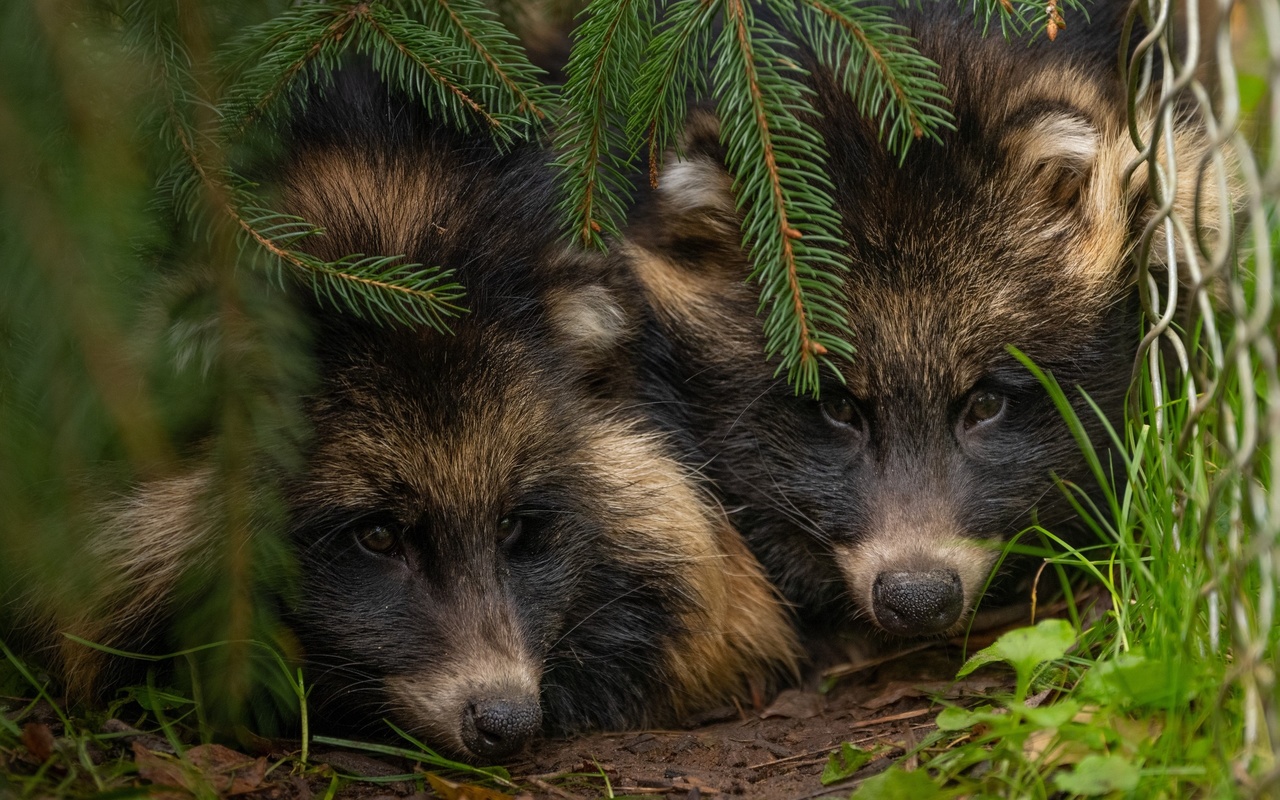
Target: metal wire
1213, 309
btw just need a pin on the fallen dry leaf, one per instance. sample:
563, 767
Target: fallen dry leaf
893, 691
463, 791
208, 765
161, 770
229, 772
38, 739
795, 704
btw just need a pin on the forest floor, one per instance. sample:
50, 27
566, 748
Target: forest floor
884, 704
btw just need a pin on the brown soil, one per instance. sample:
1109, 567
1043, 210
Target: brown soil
778, 751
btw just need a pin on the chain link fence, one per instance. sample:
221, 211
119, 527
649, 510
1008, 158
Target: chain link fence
1210, 351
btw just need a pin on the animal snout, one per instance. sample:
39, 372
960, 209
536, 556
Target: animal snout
917, 603
494, 727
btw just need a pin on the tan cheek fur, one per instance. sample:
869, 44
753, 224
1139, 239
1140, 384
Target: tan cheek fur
738, 634
861, 563
433, 701
702, 303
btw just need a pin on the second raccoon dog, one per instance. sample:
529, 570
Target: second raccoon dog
889, 499
486, 547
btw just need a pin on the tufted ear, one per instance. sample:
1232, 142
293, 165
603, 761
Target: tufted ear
1053, 155
684, 243
592, 308
589, 320
693, 187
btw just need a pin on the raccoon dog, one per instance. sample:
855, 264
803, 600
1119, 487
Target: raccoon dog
487, 546
890, 498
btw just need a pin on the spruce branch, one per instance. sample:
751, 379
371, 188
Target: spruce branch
500, 70
790, 227
379, 288
277, 53
433, 59
876, 61
1019, 17
423, 63
608, 48
371, 287
670, 72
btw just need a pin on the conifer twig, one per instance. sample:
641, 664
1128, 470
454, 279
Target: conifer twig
334, 31
808, 348
370, 19
886, 73
609, 46
525, 101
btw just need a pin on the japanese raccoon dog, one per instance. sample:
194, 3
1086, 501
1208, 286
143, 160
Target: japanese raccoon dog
488, 544
889, 500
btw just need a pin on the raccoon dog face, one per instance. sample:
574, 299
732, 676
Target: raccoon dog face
893, 494
487, 546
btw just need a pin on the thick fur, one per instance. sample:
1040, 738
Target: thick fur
1015, 230
626, 599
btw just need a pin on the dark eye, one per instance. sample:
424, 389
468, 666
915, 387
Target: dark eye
509, 529
840, 410
379, 539
983, 407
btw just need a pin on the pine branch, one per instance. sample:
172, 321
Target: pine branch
1018, 17
379, 288
500, 69
608, 48
671, 69
277, 53
876, 61
790, 227
415, 57
371, 287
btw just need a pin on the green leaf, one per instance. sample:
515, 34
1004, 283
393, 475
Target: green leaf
1050, 716
1132, 680
1025, 649
896, 784
959, 719
1099, 775
844, 762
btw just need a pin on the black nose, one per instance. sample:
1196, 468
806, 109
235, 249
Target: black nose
497, 727
917, 603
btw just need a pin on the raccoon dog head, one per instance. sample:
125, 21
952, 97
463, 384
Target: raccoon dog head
487, 547
893, 494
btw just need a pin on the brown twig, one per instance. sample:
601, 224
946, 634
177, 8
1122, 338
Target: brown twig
449, 85
882, 65
525, 100
736, 15
553, 789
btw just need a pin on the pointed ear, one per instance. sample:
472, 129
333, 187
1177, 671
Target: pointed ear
693, 186
592, 307
1053, 156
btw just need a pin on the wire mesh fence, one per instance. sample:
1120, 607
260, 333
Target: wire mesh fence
1217, 322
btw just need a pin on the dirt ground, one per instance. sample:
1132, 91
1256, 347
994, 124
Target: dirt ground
778, 752
882, 700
